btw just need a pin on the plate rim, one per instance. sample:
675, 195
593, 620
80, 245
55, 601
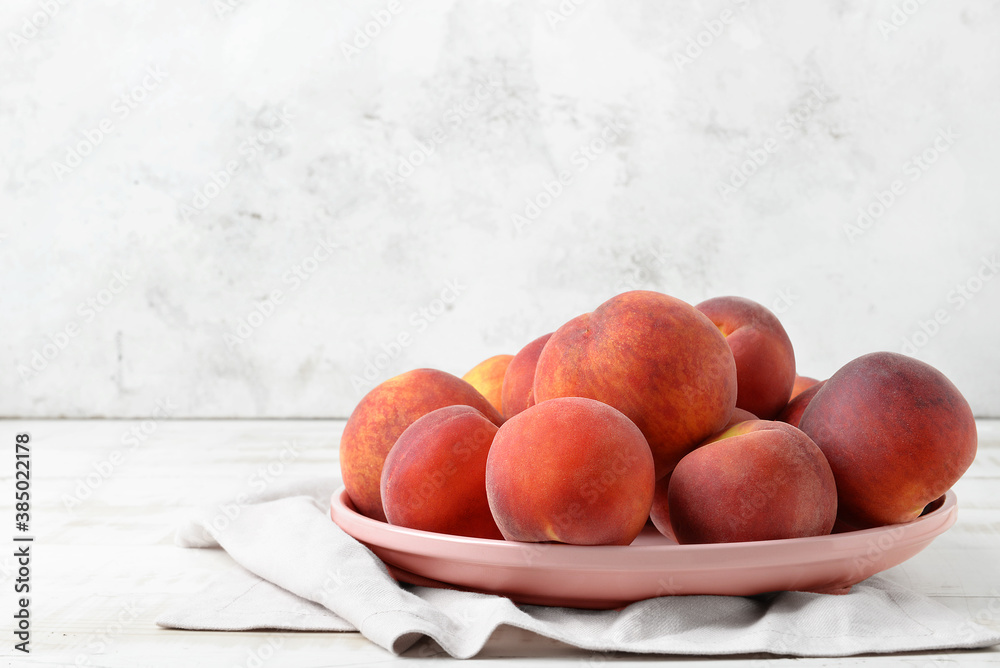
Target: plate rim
512, 554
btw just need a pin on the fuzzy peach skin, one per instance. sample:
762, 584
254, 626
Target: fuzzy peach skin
758, 480
434, 478
487, 378
517, 393
792, 413
802, 383
382, 415
659, 512
659, 515
897, 433
740, 415
765, 362
655, 358
570, 470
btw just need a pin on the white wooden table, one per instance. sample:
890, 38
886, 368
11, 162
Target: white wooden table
107, 494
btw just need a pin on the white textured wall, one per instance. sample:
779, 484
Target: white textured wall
389, 177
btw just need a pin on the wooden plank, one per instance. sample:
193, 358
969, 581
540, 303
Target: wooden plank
108, 567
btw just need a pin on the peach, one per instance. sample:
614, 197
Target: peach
656, 359
802, 383
487, 378
792, 413
740, 415
382, 415
571, 470
659, 513
758, 480
765, 362
897, 433
434, 478
520, 377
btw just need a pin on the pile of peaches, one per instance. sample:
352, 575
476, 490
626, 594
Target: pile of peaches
650, 409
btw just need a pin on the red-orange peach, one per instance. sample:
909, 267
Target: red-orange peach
740, 415
487, 378
655, 358
897, 433
382, 415
659, 513
792, 413
802, 383
571, 470
765, 362
434, 478
758, 480
517, 391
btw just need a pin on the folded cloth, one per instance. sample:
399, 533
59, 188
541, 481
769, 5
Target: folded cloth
298, 570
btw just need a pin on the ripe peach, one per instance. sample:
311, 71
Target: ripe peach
655, 358
897, 433
382, 415
434, 477
765, 362
572, 470
740, 415
518, 381
801, 384
792, 413
659, 512
487, 378
758, 480
659, 515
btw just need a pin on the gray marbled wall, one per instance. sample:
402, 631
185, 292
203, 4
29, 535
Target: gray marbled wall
240, 208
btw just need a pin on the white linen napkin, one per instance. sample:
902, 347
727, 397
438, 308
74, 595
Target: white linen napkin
298, 571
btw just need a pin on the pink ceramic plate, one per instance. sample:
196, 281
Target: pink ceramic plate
608, 576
